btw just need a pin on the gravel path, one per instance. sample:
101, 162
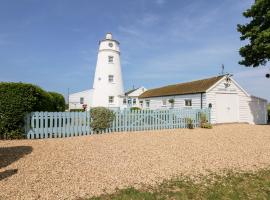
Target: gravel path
84, 166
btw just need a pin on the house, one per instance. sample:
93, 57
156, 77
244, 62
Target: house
131, 98
228, 101
79, 99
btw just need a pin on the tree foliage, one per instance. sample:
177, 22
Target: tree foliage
257, 31
17, 99
58, 102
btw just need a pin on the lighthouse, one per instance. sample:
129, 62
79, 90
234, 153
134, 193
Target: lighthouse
108, 83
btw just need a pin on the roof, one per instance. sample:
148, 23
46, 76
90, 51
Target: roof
130, 91
192, 87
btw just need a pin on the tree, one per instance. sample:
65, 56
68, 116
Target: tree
257, 31
57, 101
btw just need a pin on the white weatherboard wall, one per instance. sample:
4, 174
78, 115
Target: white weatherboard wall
74, 99
102, 87
258, 110
235, 103
179, 101
233, 94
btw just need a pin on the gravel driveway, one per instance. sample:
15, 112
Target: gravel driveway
88, 165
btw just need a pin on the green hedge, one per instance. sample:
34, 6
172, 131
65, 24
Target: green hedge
58, 102
134, 108
17, 99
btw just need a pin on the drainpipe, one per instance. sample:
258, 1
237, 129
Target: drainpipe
201, 100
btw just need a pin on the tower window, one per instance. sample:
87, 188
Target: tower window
110, 59
111, 99
81, 100
111, 78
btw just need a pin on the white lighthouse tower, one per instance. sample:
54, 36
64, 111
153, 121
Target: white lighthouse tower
108, 84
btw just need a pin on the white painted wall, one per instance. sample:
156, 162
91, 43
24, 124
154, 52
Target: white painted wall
102, 87
179, 101
74, 99
245, 108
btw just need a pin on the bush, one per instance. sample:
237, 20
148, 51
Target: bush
189, 123
134, 108
101, 118
204, 122
18, 99
206, 125
57, 101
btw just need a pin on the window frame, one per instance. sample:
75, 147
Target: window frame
81, 100
111, 78
110, 59
111, 98
187, 104
147, 103
164, 102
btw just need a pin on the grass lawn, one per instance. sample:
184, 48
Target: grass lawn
229, 186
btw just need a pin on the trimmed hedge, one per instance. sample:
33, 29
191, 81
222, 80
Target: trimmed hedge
101, 118
17, 99
134, 108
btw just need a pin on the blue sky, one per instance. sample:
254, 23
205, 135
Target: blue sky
54, 43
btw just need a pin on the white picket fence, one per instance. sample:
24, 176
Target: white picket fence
69, 124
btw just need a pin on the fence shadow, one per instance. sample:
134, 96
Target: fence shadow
8, 155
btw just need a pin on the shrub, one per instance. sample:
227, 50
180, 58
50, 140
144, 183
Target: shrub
77, 110
16, 100
171, 101
206, 125
189, 123
134, 108
101, 118
204, 122
57, 102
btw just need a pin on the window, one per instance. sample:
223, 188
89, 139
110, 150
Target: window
81, 100
110, 78
141, 103
110, 59
164, 101
134, 101
111, 99
147, 103
188, 102
124, 101
129, 101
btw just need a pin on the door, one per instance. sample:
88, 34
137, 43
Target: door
227, 108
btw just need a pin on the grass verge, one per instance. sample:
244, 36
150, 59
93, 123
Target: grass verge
228, 186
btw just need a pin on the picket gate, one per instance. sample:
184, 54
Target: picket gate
69, 124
